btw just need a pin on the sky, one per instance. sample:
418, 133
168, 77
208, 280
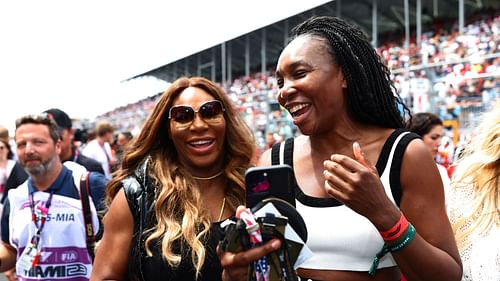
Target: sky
77, 55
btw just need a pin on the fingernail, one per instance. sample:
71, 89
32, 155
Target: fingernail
275, 244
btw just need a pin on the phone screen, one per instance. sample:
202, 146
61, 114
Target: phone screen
269, 181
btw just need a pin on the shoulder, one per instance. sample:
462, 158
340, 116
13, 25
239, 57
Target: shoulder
20, 191
132, 187
18, 175
89, 163
90, 146
420, 178
417, 151
265, 158
270, 154
97, 179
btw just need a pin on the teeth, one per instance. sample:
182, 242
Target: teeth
296, 108
201, 142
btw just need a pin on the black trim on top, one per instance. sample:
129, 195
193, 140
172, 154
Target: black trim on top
275, 154
386, 150
381, 164
395, 172
288, 152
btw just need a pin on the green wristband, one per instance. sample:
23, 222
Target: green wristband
409, 235
403, 242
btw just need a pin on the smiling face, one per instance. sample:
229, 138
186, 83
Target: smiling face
200, 145
311, 85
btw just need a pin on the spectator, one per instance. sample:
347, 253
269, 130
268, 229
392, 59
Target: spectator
12, 173
99, 149
365, 221
68, 150
43, 217
4, 134
188, 167
430, 128
122, 141
473, 203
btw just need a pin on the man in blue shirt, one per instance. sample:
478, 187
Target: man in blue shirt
42, 225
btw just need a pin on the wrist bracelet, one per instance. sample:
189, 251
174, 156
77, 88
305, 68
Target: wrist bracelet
397, 230
406, 239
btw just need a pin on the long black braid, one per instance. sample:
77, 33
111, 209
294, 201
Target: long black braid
371, 95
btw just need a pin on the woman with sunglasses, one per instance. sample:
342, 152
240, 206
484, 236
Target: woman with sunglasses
180, 177
368, 190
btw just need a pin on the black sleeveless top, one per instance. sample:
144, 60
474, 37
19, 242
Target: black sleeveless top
140, 197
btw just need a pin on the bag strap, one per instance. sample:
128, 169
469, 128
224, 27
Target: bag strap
87, 216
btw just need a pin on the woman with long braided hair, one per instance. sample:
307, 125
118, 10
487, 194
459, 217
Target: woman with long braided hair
368, 190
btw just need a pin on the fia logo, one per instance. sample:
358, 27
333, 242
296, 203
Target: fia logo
69, 256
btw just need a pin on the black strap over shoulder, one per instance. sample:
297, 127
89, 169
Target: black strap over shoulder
397, 159
275, 153
287, 153
87, 215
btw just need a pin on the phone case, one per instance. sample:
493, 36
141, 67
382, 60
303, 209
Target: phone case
268, 182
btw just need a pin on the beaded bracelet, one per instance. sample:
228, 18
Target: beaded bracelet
397, 230
406, 239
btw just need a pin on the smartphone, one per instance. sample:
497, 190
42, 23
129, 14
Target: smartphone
269, 181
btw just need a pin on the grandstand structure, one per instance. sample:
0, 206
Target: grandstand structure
444, 56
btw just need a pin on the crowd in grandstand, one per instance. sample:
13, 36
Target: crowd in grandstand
453, 75
446, 83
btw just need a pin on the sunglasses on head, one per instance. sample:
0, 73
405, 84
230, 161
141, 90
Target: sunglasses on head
42, 118
183, 115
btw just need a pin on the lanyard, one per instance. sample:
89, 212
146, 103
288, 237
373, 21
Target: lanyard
107, 157
76, 155
44, 210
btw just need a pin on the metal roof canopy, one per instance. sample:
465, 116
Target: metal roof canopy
257, 51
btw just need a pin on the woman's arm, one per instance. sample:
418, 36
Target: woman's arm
433, 254
111, 261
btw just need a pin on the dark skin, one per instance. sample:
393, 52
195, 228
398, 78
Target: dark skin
111, 262
334, 158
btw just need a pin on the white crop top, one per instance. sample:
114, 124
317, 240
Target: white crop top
340, 238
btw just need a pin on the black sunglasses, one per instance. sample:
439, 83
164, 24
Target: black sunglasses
183, 115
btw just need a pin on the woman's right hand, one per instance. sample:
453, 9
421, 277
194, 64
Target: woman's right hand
235, 265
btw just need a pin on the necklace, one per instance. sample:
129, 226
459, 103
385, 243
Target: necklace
222, 208
209, 178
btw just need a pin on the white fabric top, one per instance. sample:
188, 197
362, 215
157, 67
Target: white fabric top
444, 177
63, 240
481, 258
352, 241
95, 151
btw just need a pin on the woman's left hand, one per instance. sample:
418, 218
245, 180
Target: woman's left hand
356, 183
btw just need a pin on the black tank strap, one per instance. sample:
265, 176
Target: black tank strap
275, 153
397, 159
286, 154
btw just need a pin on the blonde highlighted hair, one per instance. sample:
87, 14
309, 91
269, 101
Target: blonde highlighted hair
480, 169
178, 205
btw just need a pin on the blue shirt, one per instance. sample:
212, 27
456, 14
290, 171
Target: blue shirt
64, 185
